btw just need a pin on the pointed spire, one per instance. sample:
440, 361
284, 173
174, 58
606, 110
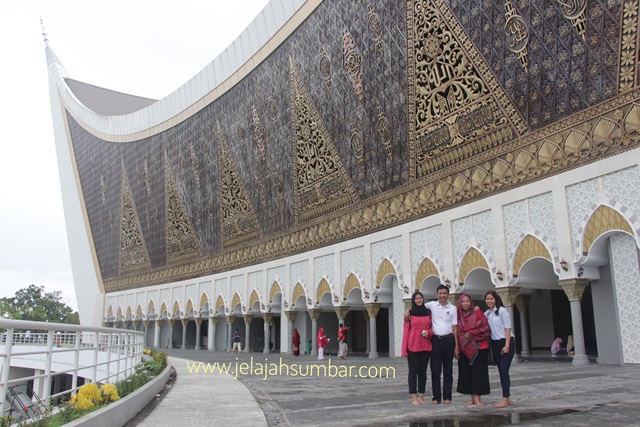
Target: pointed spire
44, 33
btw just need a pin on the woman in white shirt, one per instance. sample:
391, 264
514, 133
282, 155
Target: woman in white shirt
502, 342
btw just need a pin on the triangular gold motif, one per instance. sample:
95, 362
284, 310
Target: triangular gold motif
320, 180
133, 252
457, 108
180, 238
237, 216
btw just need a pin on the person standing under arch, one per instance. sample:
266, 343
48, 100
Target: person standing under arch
473, 335
296, 342
444, 318
322, 343
416, 347
503, 344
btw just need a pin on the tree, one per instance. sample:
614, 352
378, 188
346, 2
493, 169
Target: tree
34, 304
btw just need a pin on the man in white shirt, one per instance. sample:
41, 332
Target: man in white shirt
444, 320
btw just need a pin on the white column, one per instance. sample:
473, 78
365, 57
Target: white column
372, 311
315, 315
211, 333
574, 288
247, 331
198, 332
184, 334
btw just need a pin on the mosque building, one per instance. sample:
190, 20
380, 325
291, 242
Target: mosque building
340, 154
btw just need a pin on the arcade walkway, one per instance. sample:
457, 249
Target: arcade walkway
543, 394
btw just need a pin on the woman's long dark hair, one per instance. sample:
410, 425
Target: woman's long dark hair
497, 298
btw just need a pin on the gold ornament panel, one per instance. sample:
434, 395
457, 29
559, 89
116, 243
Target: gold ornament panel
530, 247
603, 219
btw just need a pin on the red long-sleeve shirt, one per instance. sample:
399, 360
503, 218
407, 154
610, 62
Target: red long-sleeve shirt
412, 339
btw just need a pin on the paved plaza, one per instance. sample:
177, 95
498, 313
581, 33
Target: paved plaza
543, 394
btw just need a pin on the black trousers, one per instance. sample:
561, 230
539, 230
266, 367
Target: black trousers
442, 360
418, 362
473, 379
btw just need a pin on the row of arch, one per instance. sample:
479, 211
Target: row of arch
603, 221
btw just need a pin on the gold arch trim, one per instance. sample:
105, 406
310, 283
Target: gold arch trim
176, 308
530, 247
235, 301
351, 283
219, 302
275, 288
298, 291
110, 311
472, 259
385, 269
603, 219
189, 306
151, 307
129, 311
253, 298
163, 309
139, 311
204, 300
427, 268
323, 288
119, 311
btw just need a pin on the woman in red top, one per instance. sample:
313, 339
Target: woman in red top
416, 346
473, 336
322, 343
296, 342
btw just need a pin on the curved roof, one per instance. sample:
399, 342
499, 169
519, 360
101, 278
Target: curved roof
120, 114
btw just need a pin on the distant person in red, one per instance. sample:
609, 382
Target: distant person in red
342, 341
296, 342
322, 343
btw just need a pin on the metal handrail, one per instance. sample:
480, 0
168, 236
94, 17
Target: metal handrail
112, 352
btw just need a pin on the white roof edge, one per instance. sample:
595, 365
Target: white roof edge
266, 24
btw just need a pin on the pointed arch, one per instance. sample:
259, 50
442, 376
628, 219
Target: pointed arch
139, 311
351, 284
471, 260
529, 247
119, 312
151, 308
176, 308
386, 268
603, 219
253, 298
323, 288
427, 268
189, 306
219, 302
163, 310
129, 312
110, 312
204, 299
235, 301
298, 291
275, 289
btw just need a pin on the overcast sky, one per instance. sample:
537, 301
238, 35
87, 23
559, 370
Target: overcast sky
145, 48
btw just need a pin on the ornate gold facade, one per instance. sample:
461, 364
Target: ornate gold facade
358, 122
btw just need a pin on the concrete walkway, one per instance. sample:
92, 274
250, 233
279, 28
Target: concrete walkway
543, 394
199, 399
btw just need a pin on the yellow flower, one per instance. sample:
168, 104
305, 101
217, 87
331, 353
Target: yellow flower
110, 392
83, 403
90, 392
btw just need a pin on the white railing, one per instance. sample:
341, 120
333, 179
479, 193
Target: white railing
100, 355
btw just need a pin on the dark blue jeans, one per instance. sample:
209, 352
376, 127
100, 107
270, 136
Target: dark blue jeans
442, 360
504, 363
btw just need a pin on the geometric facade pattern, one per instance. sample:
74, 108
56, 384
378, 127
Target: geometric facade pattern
407, 109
